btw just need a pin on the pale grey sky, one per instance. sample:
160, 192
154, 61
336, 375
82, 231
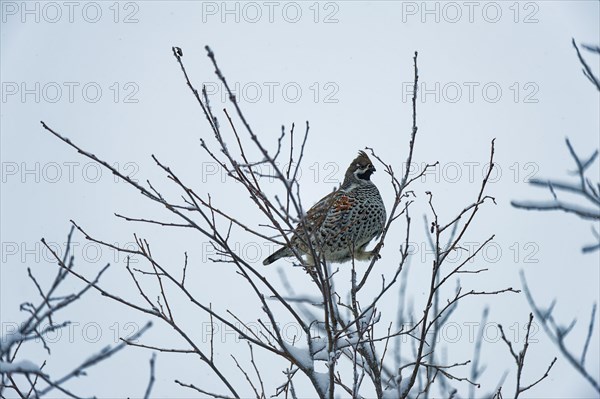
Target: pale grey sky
102, 73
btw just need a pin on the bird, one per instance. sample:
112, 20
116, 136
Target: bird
341, 224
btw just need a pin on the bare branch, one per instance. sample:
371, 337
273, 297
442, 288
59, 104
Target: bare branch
557, 335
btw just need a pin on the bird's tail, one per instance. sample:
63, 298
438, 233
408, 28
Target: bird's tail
280, 253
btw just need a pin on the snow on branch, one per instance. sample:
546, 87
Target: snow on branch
583, 188
40, 322
558, 334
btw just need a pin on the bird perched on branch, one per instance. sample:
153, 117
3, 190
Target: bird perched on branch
339, 226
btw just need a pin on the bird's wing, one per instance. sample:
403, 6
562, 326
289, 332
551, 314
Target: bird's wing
337, 219
331, 212
317, 214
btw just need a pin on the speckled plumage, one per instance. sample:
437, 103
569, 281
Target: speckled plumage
342, 223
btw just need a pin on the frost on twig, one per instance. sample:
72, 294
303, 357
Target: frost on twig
587, 207
520, 360
558, 334
582, 188
26, 378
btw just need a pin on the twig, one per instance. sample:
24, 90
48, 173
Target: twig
152, 378
520, 359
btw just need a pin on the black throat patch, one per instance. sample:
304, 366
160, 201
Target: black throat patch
366, 175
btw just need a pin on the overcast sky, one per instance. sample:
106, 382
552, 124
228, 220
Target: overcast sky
103, 74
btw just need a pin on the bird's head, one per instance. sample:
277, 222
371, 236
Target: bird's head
360, 169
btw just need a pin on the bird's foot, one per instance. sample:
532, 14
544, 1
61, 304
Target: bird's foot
367, 255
